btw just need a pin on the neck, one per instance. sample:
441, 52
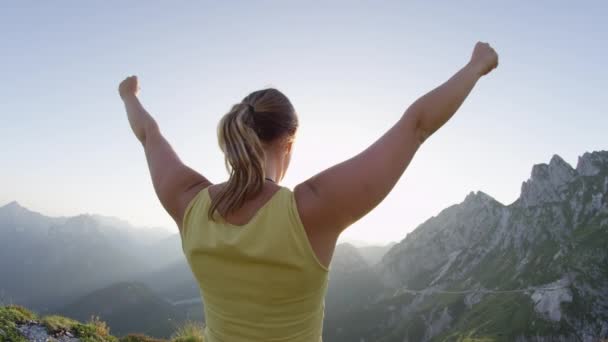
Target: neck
270, 168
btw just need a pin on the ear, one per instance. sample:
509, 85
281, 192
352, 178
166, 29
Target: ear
288, 146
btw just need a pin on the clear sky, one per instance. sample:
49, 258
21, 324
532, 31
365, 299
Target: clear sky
349, 67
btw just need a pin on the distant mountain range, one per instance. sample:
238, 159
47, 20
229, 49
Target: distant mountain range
533, 270
48, 261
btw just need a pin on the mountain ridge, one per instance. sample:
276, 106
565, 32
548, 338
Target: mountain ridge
538, 259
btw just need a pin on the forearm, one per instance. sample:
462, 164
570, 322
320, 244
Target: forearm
139, 119
435, 108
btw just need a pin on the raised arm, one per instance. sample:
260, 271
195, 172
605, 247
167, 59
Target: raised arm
175, 183
337, 197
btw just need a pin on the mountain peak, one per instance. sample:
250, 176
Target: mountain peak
479, 197
590, 164
14, 208
558, 162
11, 205
546, 181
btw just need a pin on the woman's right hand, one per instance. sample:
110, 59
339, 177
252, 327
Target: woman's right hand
484, 58
129, 86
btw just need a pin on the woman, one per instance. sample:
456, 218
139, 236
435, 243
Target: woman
259, 251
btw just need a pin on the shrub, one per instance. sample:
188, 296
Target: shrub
188, 332
94, 330
101, 327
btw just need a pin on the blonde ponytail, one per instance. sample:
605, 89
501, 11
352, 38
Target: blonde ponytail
244, 159
262, 117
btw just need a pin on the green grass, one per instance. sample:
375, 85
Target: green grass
56, 323
140, 338
94, 330
10, 317
188, 332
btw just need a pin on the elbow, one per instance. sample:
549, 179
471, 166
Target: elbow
151, 125
141, 136
149, 128
416, 115
422, 134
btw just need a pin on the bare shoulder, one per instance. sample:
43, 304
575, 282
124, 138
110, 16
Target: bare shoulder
305, 196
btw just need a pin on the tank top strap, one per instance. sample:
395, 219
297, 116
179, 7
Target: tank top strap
199, 204
301, 236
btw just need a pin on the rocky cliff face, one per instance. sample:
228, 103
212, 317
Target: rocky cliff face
536, 269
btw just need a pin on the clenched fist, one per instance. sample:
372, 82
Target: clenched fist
484, 58
129, 86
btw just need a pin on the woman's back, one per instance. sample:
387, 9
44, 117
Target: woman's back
260, 281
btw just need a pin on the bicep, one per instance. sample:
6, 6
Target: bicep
174, 182
342, 194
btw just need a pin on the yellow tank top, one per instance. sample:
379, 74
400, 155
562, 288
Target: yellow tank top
260, 281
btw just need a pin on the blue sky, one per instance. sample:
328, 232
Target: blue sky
350, 69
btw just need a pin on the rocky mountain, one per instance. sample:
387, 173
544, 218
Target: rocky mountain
533, 270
